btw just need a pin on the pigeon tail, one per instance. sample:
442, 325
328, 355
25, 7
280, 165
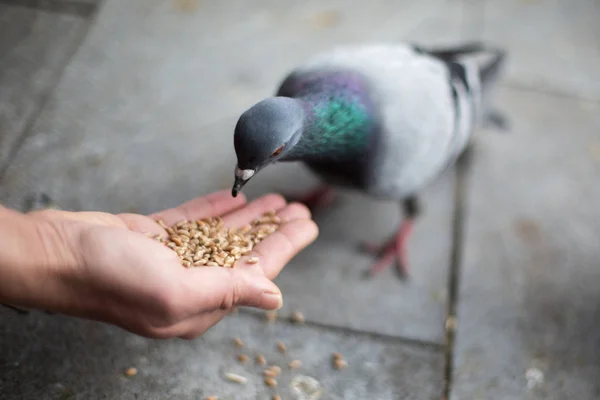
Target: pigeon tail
488, 59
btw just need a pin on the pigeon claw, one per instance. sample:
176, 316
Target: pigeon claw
393, 250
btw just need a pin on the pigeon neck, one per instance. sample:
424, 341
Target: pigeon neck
337, 127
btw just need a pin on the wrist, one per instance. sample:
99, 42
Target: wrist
36, 256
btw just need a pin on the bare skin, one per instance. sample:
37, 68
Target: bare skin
103, 267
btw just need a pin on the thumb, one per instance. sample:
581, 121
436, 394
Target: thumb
216, 288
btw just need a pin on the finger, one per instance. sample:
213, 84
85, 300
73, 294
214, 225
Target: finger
254, 209
214, 204
214, 288
146, 225
294, 211
277, 249
142, 224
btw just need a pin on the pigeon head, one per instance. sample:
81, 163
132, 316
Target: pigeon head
264, 134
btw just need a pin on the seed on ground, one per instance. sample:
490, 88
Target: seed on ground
276, 369
207, 243
211, 398
131, 371
295, 364
238, 342
243, 358
236, 378
281, 347
271, 315
270, 382
451, 323
272, 371
339, 363
260, 359
297, 317
277, 397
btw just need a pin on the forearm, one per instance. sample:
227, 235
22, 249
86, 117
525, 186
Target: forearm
34, 253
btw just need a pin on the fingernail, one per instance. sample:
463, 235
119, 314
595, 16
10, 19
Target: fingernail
272, 300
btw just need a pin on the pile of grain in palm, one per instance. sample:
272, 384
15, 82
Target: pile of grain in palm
208, 243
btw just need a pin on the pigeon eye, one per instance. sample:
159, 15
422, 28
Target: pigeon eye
278, 151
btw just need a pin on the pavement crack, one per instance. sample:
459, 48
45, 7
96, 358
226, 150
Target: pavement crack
351, 331
68, 7
456, 259
558, 93
45, 98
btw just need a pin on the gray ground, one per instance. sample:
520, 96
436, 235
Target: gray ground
129, 105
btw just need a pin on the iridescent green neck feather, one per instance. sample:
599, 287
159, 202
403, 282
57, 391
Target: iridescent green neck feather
339, 128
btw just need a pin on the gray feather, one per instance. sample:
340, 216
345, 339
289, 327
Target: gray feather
427, 109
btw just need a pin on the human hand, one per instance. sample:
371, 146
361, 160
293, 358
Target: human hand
121, 276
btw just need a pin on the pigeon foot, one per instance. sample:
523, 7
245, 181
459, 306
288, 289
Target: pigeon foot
319, 198
392, 250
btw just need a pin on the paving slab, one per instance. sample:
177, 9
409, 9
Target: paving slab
528, 309
326, 283
54, 357
553, 45
128, 129
34, 47
201, 60
80, 8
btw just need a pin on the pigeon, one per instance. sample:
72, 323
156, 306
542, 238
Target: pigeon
383, 119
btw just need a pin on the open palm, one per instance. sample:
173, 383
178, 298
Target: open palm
130, 280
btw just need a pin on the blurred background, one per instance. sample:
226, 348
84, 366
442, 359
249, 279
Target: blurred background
129, 106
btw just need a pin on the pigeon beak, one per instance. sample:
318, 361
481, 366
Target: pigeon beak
242, 176
237, 186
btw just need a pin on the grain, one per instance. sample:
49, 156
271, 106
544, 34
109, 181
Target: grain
271, 315
207, 243
236, 378
243, 358
260, 359
238, 342
211, 398
297, 317
281, 347
272, 371
271, 382
277, 397
338, 361
451, 323
339, 364
294, 364
131, 372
